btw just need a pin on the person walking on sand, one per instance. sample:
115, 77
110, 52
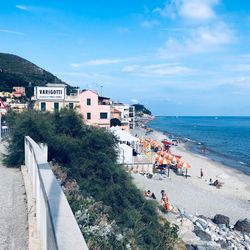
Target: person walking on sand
201, 173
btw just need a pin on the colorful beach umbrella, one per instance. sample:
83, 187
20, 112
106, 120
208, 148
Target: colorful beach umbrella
186, 165
161, 160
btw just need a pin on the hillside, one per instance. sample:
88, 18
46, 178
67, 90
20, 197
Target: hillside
139, 108
17, 71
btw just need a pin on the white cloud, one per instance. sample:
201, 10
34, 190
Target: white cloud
241, 82
104, 61
157, 70
191, 9
89, 76
22, 7
11, 32
122, 30
201, 40
239, 68
135, 101
130, 68
149, 24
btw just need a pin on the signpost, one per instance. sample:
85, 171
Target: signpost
50, 93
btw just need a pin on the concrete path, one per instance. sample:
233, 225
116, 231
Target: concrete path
13, 209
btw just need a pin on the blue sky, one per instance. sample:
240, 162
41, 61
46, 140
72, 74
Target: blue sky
178, 57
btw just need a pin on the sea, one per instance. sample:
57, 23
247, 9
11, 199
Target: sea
222, 139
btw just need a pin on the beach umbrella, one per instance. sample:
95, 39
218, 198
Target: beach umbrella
166, 162
179, 165
161, 160
178, 159
174, 159
165, 142
186, 165
167, 155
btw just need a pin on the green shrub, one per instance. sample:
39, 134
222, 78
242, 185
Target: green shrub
88, 155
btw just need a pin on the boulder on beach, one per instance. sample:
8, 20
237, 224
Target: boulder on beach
204, 236
204, 246
220, 219
202, 222
243, 225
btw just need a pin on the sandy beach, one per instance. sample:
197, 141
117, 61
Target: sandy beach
194, 194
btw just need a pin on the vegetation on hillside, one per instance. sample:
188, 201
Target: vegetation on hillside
139, 108
110, 210
17, 71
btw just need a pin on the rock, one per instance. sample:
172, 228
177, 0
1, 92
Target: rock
191, 247
242, 225
224, 244
199, 225
202, 222
221, 219
202, 217
212, 226
204, 246
187, 224
246, 238
175, 210
202, 234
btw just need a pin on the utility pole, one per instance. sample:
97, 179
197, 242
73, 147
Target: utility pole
101, 90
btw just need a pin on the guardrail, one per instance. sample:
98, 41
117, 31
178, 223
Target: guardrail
55, 223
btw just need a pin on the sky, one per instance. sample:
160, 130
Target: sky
177, 57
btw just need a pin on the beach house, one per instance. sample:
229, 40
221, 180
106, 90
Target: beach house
95, 109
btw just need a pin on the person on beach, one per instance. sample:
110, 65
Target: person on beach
153, 196
201, 173
147, 193
164, 195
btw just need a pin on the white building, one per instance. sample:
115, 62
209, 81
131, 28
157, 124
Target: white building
53, 97
127, 114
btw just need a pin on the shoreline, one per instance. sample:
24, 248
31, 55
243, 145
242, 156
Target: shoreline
196, 195
217, 157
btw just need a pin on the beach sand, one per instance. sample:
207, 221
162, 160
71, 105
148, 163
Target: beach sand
194, 194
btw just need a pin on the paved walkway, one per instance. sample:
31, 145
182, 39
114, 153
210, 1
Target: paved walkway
13, 210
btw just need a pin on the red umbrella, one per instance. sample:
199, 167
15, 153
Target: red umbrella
166, 142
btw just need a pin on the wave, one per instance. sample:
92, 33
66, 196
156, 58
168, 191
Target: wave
242, 163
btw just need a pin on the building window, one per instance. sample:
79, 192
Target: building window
56, 106
88, 116
71, 105
43, 106
104, 115
88, 101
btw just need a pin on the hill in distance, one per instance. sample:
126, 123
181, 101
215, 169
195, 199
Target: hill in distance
17, 71
139, 108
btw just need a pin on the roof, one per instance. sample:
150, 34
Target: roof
118, 104
102, 97
116, 111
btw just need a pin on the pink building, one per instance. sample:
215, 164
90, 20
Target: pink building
95, 109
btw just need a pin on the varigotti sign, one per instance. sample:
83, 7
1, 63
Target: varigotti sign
50, 93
